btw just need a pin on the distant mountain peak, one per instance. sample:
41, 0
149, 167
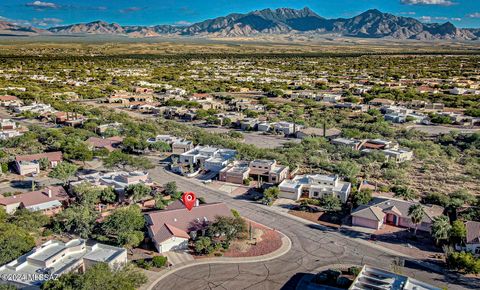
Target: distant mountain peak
370, 24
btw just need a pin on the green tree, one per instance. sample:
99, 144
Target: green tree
159, 261
138, 191
416, 214
441, 228
99, 276
14, 242
270, 195
108, 195
227, 227
29, 220
202, 245
362, 197
125, 226
170, 188
78, 219
404, 192
458, 233
64, 171
331, 203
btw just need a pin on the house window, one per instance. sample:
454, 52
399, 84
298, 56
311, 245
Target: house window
315, 194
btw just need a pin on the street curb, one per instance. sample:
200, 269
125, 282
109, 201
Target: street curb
285, 248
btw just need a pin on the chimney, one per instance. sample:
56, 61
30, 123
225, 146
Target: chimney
197, 202
49, 192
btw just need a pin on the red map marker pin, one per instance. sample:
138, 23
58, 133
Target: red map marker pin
189, 199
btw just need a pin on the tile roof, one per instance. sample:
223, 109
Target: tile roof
51, 156
168, 223
36, 197
473, 232
8, 98
107, 143
400, 207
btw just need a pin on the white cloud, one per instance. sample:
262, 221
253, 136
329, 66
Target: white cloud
49, 21
438, 18
42, 5
474, 15
428, 2
408, 13
182, 23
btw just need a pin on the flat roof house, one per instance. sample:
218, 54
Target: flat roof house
58, 258
117, 179
170, 229
315, 186
399, 155
263, 170
349, 143
29, 164
49, 201
374, 278
212, 158
383, 210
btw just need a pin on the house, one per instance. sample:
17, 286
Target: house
7, 101
383, 210
264, 127
349, 143
101, 129
378, 144
118, 180
4, 135
171, 228
236, 172
55, 258
7, 124
381, 102
248, 124
314, 186
37, 108
268, 171
49, 201
286, 128
179, 147
398, 155
261, 170
375, 278
472, 241
29, 164
68, 118
109, 144
212, 158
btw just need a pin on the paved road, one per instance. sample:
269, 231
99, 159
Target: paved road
312, 248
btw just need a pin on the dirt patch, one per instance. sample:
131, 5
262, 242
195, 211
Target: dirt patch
316, 217
264, 241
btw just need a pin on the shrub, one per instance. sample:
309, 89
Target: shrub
159, 261
144, 264
354, 271
343, 282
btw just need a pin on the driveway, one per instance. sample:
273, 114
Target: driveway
313, 246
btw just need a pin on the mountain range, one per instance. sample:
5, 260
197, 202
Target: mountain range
369, 24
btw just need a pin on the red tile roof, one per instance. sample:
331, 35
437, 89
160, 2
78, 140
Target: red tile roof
51, 156
108, 143
36, 197
8, 98
168, 223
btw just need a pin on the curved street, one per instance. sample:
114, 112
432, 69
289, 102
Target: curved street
313, 247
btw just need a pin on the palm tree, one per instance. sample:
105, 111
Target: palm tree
441, 228
416, 213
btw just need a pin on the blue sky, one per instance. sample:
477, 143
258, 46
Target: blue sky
45, 13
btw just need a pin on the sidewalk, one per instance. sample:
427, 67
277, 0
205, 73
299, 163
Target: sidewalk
157, 276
